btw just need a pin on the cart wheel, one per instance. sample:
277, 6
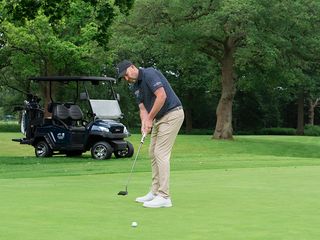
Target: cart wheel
101, 151
42, 149
128, 152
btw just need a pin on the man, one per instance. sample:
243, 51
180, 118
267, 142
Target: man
160, 111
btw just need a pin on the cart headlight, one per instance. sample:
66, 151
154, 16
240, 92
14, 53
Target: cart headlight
104, 129
125, 130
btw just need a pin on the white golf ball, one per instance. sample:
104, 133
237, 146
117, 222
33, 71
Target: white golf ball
134, 224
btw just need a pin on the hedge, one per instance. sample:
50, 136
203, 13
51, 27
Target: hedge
9, 127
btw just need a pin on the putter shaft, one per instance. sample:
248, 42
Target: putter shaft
134, 163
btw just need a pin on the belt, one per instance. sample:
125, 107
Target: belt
171, 110
175, 109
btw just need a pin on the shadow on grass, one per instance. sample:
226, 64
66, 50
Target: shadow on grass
10, 160
32, 167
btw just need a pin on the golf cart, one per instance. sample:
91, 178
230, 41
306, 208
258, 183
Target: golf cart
66, 131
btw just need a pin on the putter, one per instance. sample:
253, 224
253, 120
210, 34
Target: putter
124, 193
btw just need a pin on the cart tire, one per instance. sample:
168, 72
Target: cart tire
126, 153
42, 149
101, 150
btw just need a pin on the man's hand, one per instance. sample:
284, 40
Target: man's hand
147, 125
147, 118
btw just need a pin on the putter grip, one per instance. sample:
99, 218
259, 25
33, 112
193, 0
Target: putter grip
143, 137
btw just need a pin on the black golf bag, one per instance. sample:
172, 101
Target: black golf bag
32, 116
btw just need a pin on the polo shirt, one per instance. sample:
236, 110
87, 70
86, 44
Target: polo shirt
149, 80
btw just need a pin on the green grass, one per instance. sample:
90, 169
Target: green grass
256, 187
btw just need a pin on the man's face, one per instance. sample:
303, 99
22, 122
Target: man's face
131, 74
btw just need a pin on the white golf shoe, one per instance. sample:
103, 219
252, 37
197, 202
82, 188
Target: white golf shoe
150, 196
158, 202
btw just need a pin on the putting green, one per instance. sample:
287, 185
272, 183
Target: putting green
244, 203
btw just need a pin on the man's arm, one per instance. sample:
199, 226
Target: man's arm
143, 115
147, 118
161, 97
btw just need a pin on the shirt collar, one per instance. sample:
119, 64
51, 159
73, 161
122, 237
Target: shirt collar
140, 75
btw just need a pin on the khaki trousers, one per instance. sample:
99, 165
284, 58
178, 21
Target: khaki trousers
163, 135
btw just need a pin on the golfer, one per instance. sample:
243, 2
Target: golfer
160, 112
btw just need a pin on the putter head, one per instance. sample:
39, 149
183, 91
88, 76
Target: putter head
123, 193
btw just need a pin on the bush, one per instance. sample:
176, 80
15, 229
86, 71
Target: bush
246, 132
277, 131
9, 127
182, 131
312, 130
196, 131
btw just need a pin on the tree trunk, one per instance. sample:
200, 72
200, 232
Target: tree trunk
47, 100
188, 120
223, 128
47, 71
312, 106
311, 113
300, 124
188, 113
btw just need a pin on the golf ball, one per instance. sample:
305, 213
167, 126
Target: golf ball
134, 224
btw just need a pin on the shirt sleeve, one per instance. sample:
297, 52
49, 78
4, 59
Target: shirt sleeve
154, 81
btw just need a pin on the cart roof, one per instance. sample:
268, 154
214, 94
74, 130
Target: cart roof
72, 78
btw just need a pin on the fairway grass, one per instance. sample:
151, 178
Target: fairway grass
260, 203
256, 187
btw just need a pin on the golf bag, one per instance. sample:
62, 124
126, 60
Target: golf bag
32, 115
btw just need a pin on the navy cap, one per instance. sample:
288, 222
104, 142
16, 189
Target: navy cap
122, 68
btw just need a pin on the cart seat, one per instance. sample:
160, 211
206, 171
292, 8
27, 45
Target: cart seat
60, 112
68, 117
106, 109
75, 113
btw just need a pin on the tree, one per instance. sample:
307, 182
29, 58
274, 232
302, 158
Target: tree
54, 38
300, 54
240, 36
213, 29
313, 95
56, 10
187, 71
34, 49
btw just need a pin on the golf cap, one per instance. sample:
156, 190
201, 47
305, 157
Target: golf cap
122, 68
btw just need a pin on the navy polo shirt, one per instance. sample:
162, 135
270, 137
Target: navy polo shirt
149, 80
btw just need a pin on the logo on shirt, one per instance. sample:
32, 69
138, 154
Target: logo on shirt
157, 84
137, 93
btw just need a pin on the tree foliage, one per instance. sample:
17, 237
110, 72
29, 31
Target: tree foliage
56, 10
255, 45
53, 38
251, 61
